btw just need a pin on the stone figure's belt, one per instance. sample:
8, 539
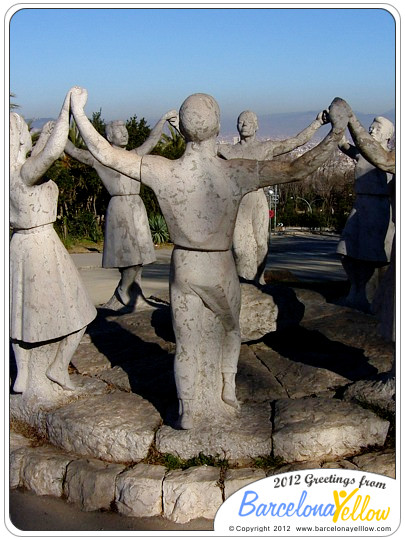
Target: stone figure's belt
34, 230
178, 246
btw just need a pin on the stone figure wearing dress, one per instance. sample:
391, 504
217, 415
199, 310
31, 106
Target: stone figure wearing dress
366, 240
50, 307
128, 243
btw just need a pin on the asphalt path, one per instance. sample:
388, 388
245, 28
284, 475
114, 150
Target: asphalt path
309, 257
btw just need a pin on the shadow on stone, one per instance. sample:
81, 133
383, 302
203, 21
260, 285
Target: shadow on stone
314, 349
129, 341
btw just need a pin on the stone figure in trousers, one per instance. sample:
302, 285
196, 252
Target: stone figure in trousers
50, 307
366, 240
128, 243
199, 195
251, 235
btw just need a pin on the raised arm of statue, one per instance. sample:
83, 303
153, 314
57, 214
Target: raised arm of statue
369, 148
276, 172
156, 133
53, 145
84, 156
128, 163
282, 147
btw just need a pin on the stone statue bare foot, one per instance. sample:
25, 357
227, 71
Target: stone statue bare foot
229, 390
60, 377
185, 420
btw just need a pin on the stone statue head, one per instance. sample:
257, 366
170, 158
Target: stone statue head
199, 118
247, 124
381, 130
20, 138
117, 133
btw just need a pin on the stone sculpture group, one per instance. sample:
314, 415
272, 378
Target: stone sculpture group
208, 196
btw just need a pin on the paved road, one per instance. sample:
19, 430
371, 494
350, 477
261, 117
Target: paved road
309, 257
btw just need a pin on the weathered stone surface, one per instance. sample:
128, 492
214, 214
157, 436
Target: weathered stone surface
138, 491
340, 464
316, 306
295, 466
43, 470
313, 428
88, 360
357, 330
192, 493
18, 441
258, 313
117, 377
377, 462
34, 412
298, 379
255, 383
380, 393
90, 483
116, 427
247, 435
236, 479
16, 460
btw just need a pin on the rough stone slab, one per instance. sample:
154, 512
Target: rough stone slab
314, 428
236, 479
258, 313
341, 464
33, 412
255, 383
358, 330
380, 393
138, 491
17, 440
88, 360
377, 462
190, 494
91, 483
43, 470
297, 379
296, 466
117, 377
117, 427
16, 461
316, 306
246, 436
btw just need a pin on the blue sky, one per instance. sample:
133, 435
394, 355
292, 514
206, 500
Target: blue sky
147, 61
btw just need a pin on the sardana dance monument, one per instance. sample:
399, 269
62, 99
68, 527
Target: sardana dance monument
199, 195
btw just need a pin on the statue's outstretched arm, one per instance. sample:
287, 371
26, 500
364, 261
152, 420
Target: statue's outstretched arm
121, 160
370, 148
282, 147
277, 172
84, 156
50, 148
156, 133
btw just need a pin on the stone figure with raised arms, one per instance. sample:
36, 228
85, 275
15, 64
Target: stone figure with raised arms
199, 195
50, 307
128, 243
366, 240
251, 235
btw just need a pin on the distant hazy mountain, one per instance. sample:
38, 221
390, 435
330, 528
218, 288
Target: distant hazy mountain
278, 125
